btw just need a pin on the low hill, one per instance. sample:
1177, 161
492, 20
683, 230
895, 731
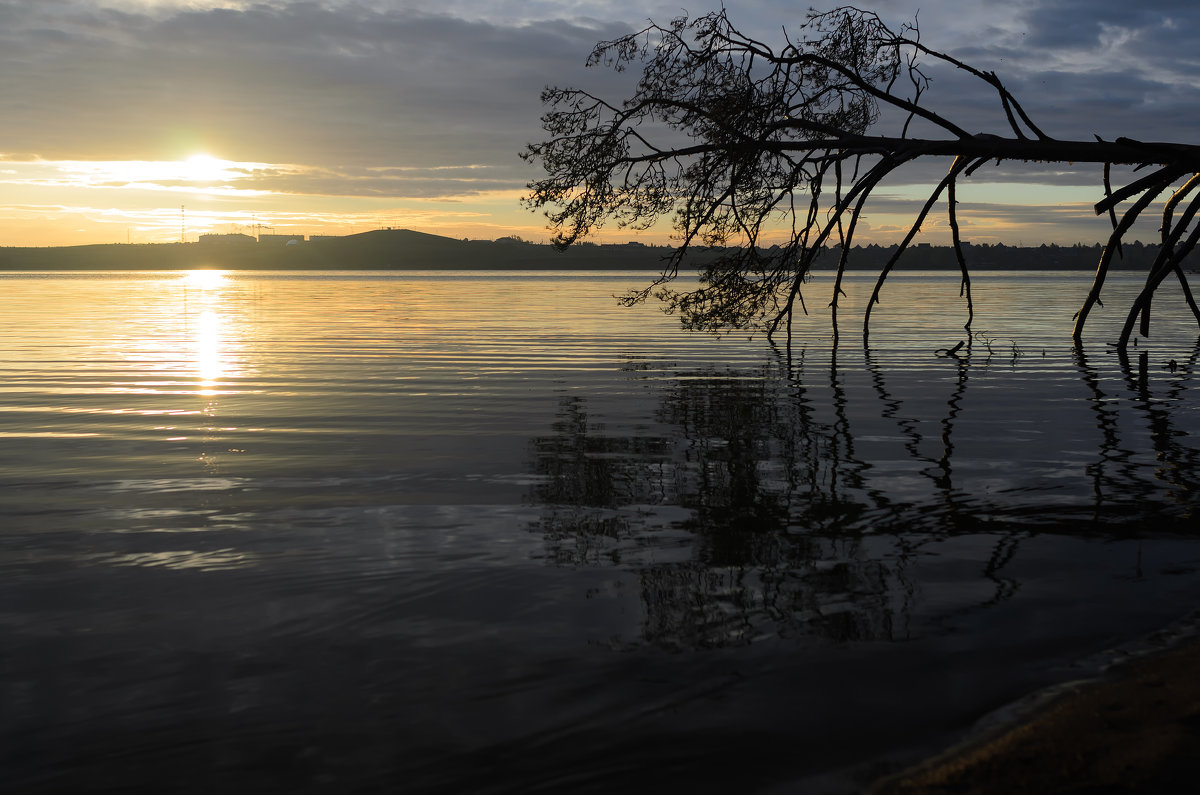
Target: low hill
382, 249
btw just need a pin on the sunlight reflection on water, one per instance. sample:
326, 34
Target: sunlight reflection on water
476, 514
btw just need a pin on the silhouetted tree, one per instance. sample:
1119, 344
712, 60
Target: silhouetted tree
733, 138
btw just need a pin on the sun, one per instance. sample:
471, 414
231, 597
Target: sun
202, 168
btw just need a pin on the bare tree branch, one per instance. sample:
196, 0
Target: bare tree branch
736, 142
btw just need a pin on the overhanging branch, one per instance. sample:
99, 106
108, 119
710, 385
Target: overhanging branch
751, 130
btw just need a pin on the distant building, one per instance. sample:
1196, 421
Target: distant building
225, 240
280, 240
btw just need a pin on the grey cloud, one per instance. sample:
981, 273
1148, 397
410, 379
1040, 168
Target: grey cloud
1128, 67
298, 82
345, 86
1110, 102
397, 183
1086, 23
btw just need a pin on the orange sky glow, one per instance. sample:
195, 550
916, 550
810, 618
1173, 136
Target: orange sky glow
74, 202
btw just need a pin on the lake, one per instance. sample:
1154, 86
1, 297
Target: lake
490, 532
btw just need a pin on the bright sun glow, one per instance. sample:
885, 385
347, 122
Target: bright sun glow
208, 361
210, 321
196, 170
198, 173
205, 168
204, 279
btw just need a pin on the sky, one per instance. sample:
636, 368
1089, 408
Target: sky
142, 121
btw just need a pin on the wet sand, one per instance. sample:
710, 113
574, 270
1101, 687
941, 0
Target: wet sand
1136, 730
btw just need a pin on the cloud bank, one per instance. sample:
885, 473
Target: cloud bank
425, 100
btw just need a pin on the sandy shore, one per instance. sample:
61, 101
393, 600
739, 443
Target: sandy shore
1137, 730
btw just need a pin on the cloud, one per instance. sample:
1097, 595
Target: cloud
433, 99
362, 83
297, 82
1109, 67
211, 177
1089, 25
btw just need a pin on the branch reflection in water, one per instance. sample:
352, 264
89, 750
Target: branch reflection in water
796, 499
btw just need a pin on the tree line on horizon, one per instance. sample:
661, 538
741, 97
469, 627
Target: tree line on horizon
403, 249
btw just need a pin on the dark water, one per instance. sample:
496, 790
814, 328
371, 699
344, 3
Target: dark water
493, 533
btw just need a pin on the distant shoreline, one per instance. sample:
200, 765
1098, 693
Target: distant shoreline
401, 249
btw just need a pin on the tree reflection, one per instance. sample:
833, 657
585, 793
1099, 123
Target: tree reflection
584, 466
1114, 468
766, 539
1177, 466
786, 500
587, 477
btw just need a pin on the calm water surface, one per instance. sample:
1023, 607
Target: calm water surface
490, 532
